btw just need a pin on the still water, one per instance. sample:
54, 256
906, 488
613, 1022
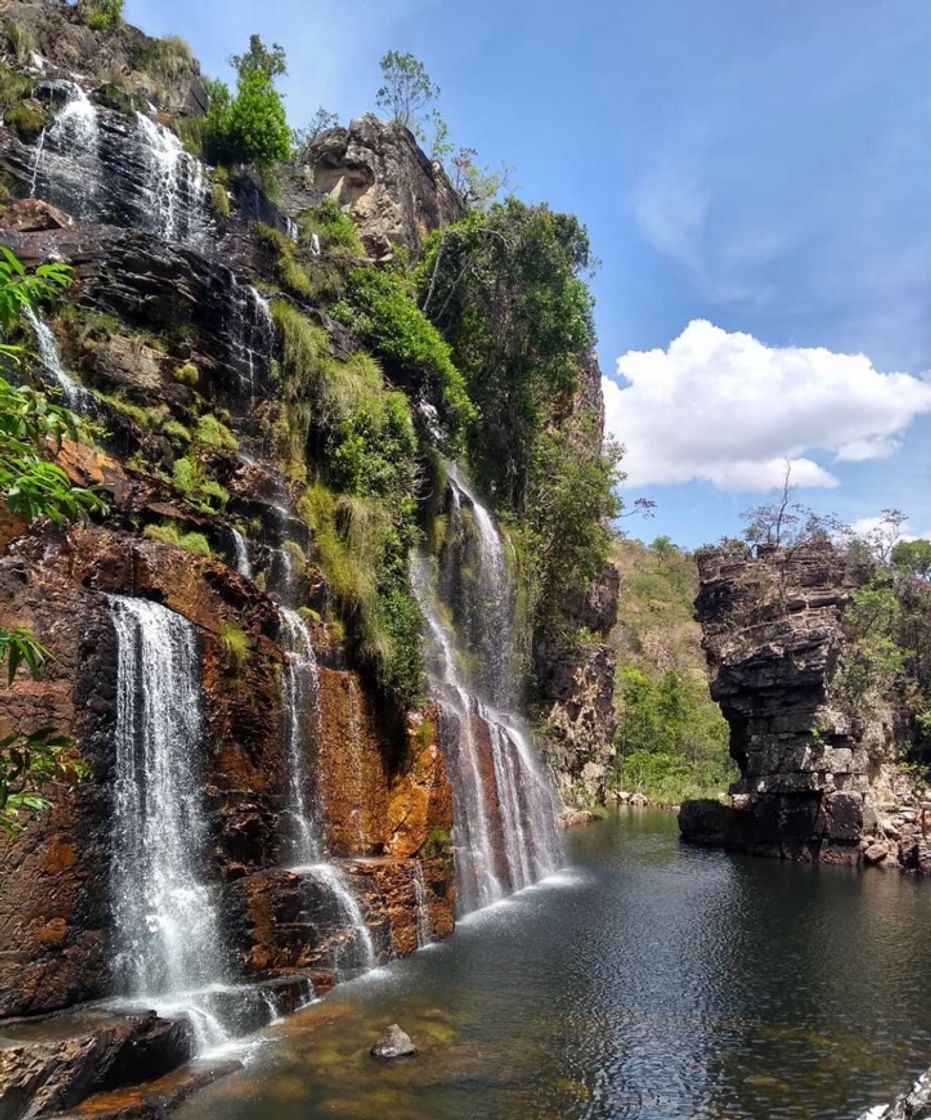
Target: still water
649, 980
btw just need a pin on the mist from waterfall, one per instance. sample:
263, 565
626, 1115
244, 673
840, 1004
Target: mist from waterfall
505, 835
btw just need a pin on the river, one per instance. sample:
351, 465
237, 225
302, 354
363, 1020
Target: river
647, 980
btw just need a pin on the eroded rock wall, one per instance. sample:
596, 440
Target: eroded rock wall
818, 781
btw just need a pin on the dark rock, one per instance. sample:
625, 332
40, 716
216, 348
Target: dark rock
394, 1043
54, 1063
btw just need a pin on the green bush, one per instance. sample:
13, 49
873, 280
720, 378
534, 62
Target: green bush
102, 15
219, 201
337, 231
169, 533
192, 481
187, 373
166, 58
212, 433
20, 40
386, 319
235, 645
251, 127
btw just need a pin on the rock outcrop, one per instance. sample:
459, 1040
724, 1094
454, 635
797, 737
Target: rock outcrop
818, 781
393, 191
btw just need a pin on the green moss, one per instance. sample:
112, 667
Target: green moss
191, 480
296, 554
219, 201
187, 373
176, 431
14, 87
213, 433
141, 417
27, 118
190, 131
168, 532
20, 40
236, 646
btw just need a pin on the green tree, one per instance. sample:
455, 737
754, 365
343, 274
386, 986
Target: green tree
912, 558
32, 486
322, 121
251, 127
406, 91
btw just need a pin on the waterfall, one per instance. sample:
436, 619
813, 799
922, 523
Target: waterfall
304, 844
166, 927
250, 334
424, 936
505, 834
68, 151
241, 554
76, 396
173, 188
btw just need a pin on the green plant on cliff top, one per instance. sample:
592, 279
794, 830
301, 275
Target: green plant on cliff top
102, 15
31, 429
252, 126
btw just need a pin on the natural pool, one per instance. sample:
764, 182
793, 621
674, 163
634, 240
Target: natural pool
648, 980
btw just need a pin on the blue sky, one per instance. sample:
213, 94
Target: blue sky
760, 165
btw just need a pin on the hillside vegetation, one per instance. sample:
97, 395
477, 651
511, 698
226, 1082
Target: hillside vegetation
671, 739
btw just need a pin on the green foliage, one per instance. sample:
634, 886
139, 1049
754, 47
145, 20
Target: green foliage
14, 86
912, 558
290, 273
28, 762
406, 90
192, 481
20, 40
169, 533
672, 741
438, 845
503, 289
219, 201
570, 501
176, 431
32, 486
235, 645
337, 231
212, 433
251, 127
166, 58
102, 15
187, 373
322, 121
388, 322
28, 118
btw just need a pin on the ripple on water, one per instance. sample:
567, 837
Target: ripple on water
650, 981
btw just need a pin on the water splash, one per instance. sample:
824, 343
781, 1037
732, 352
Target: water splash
166, 926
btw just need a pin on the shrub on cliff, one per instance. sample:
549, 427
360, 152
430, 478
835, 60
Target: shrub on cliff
386, 319
251, 127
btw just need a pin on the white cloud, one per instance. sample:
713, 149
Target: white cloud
725, 408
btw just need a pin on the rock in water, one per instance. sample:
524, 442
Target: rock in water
394, 1043
915, 1105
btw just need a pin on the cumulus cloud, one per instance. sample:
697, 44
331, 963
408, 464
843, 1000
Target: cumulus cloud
727, 409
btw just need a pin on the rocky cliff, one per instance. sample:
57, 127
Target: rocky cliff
196, 432
818, 781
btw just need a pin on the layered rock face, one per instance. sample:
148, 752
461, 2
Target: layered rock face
817, 782
393, 191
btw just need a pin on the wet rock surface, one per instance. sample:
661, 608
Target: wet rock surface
913, 1105
394, 1043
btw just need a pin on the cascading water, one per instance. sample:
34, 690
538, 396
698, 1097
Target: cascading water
166, 928
68, 151
424, 936
505, 834
304, 846
173, 184
76, 396
250, 334
241, 554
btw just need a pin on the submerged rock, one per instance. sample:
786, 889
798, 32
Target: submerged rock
394, 1043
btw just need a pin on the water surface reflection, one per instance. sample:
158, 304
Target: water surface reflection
649, 981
